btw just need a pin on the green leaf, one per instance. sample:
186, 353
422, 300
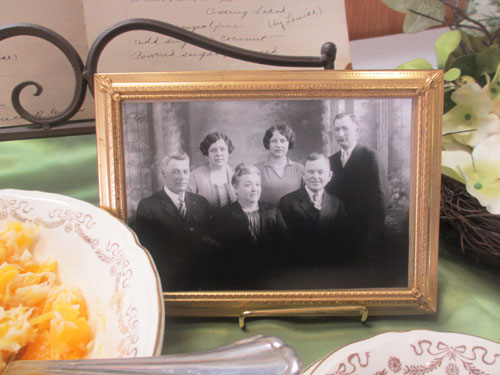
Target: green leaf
487, 59
467, 65
452, 74
472, 43
398, 5
414, 23
445, 45
417, 64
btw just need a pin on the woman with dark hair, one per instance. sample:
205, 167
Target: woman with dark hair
280, 175
249, 230
213, 180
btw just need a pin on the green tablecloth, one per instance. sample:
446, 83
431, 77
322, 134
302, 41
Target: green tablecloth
469, 293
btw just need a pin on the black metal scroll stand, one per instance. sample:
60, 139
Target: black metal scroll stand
59, 125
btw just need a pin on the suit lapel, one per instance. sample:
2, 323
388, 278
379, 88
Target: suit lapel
353, 157
327, 208
306, 205
336, 163
169, 207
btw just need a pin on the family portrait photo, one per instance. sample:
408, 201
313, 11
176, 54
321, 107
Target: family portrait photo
271, 195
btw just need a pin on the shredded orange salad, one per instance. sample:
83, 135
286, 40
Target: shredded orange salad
39, 317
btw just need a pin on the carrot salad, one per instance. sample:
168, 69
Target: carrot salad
40, 318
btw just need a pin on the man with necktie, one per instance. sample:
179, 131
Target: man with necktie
171, 224
361, 182
313, 216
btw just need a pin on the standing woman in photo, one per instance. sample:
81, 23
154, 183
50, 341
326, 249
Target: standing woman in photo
279, 174
213, 180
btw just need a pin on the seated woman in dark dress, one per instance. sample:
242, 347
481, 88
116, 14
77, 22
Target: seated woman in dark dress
250, 232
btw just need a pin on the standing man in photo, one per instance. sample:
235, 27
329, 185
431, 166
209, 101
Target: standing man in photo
361, 182
171, 224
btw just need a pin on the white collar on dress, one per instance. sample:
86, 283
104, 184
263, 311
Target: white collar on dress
267, 163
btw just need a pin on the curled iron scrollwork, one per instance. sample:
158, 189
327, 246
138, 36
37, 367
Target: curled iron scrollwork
84, 74
18, 29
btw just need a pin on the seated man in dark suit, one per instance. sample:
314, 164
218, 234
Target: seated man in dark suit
313, 216
171, 224
361, 182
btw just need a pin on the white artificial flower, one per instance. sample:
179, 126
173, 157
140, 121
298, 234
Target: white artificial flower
479, 171
470, 121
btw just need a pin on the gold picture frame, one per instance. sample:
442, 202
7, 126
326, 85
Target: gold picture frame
403, 110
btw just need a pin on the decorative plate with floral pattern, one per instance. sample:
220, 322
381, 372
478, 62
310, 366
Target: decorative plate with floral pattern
418, 352
99, 254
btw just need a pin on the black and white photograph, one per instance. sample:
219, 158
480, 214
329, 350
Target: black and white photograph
271, 195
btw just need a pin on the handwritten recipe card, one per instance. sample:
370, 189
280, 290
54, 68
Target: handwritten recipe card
282, 27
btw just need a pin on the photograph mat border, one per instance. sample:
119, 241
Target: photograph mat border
425, 88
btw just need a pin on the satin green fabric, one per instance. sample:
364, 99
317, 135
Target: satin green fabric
469, 293
65, 165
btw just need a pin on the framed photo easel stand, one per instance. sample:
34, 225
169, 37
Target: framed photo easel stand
377, 260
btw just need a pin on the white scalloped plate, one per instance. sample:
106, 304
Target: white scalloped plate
101, 255
418, 352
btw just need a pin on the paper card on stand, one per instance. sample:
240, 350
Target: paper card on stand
283, 27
